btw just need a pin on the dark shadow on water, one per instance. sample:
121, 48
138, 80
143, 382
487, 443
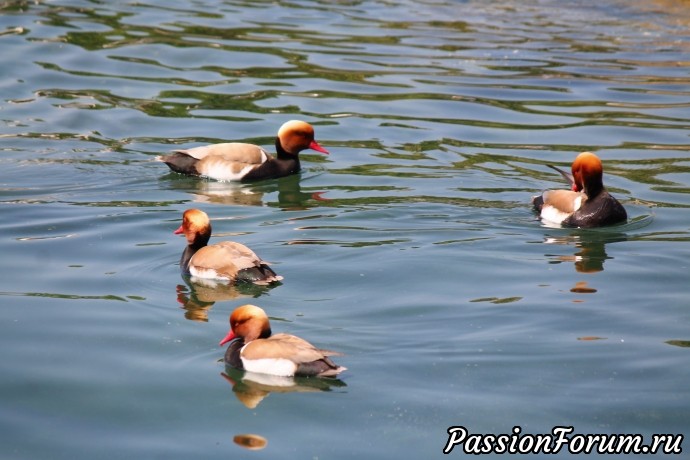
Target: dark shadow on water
251, 388
198, 296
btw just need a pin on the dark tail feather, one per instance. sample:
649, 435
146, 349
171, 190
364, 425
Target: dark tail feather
568, 177
180, 162
538, 202
320, 368
263, 274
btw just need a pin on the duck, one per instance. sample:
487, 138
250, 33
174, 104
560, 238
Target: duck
587, 204
254, 348
237, 161
226, 261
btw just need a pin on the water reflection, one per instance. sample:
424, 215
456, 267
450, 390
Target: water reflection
581, 287
591, 253
251, 388
679, 343
250, 441
288, 192
198, 296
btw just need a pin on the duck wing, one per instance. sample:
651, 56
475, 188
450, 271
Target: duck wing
229, 151
231, 161
231, 261
285, 346
565, 201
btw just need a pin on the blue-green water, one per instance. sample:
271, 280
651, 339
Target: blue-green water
422, 262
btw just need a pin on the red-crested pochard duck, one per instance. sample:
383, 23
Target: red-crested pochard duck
254, 349
236, 161
588, 204
226, 261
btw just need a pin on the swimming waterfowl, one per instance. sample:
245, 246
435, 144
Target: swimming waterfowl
587, 204
254, 349
236, 161
226, 261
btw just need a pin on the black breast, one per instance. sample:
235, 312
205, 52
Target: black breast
232, 354
599, 211
273, 168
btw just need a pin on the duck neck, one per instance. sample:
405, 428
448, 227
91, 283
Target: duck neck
266, 333
190, 250
593, 189
284, 155
186, 257
263, 334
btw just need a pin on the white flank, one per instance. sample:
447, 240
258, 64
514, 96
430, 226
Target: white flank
209, 282
220, 171
553, 215
272, 366
206, 273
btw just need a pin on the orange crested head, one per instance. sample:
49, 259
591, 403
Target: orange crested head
248, 322
587, 173
295, 136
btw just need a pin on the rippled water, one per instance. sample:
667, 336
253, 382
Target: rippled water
411, 248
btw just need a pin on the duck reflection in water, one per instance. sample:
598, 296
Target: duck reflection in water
250, 441
197, 298
591, 246
590, 256
250, 388
290, 195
